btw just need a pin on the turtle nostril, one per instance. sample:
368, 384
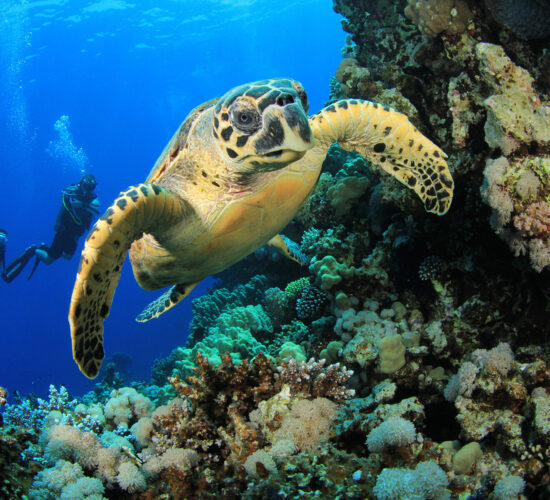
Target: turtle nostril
284, 99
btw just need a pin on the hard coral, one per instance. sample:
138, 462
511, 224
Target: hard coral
312, 379
215, 388
310, 304
225, 394
211, 417
434, 17
207, 309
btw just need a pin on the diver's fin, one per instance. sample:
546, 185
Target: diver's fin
388, 139
289, 249
34, 266
146, 208
16, 266
43, 247
166, 301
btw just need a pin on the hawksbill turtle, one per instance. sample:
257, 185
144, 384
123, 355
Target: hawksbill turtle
232, 177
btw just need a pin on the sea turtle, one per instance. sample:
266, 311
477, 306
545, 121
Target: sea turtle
232, 177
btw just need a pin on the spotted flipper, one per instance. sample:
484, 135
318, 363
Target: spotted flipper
388, 139
289, 249
145, 208
166, 301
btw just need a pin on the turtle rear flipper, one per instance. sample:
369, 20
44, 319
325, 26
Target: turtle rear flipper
388, 139
288, 248
166, 301
146, 208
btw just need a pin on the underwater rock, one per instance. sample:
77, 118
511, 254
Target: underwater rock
528, 19
515, 113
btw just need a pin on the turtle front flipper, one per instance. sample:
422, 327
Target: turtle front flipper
388, 139
166, 301
145, 208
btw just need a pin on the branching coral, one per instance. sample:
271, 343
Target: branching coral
312, 379
212, 415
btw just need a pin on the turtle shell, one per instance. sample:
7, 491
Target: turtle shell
177, 142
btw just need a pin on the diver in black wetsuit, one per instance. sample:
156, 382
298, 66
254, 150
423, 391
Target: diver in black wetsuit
79, 206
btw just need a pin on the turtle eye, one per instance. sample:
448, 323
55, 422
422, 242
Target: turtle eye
245, 118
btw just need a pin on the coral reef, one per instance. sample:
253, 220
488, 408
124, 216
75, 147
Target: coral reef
409, 359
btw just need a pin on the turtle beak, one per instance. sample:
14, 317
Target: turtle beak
285, 129
298, 122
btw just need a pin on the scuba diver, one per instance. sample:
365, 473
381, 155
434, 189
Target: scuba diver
79, 206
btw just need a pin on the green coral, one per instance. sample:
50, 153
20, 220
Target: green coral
294, 288
232, 334
290, 350
329, 272
345, 191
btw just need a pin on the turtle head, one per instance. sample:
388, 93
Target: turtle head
263, 126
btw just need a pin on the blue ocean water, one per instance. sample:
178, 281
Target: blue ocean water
100, 87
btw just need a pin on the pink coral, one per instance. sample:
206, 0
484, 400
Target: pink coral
535, 221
